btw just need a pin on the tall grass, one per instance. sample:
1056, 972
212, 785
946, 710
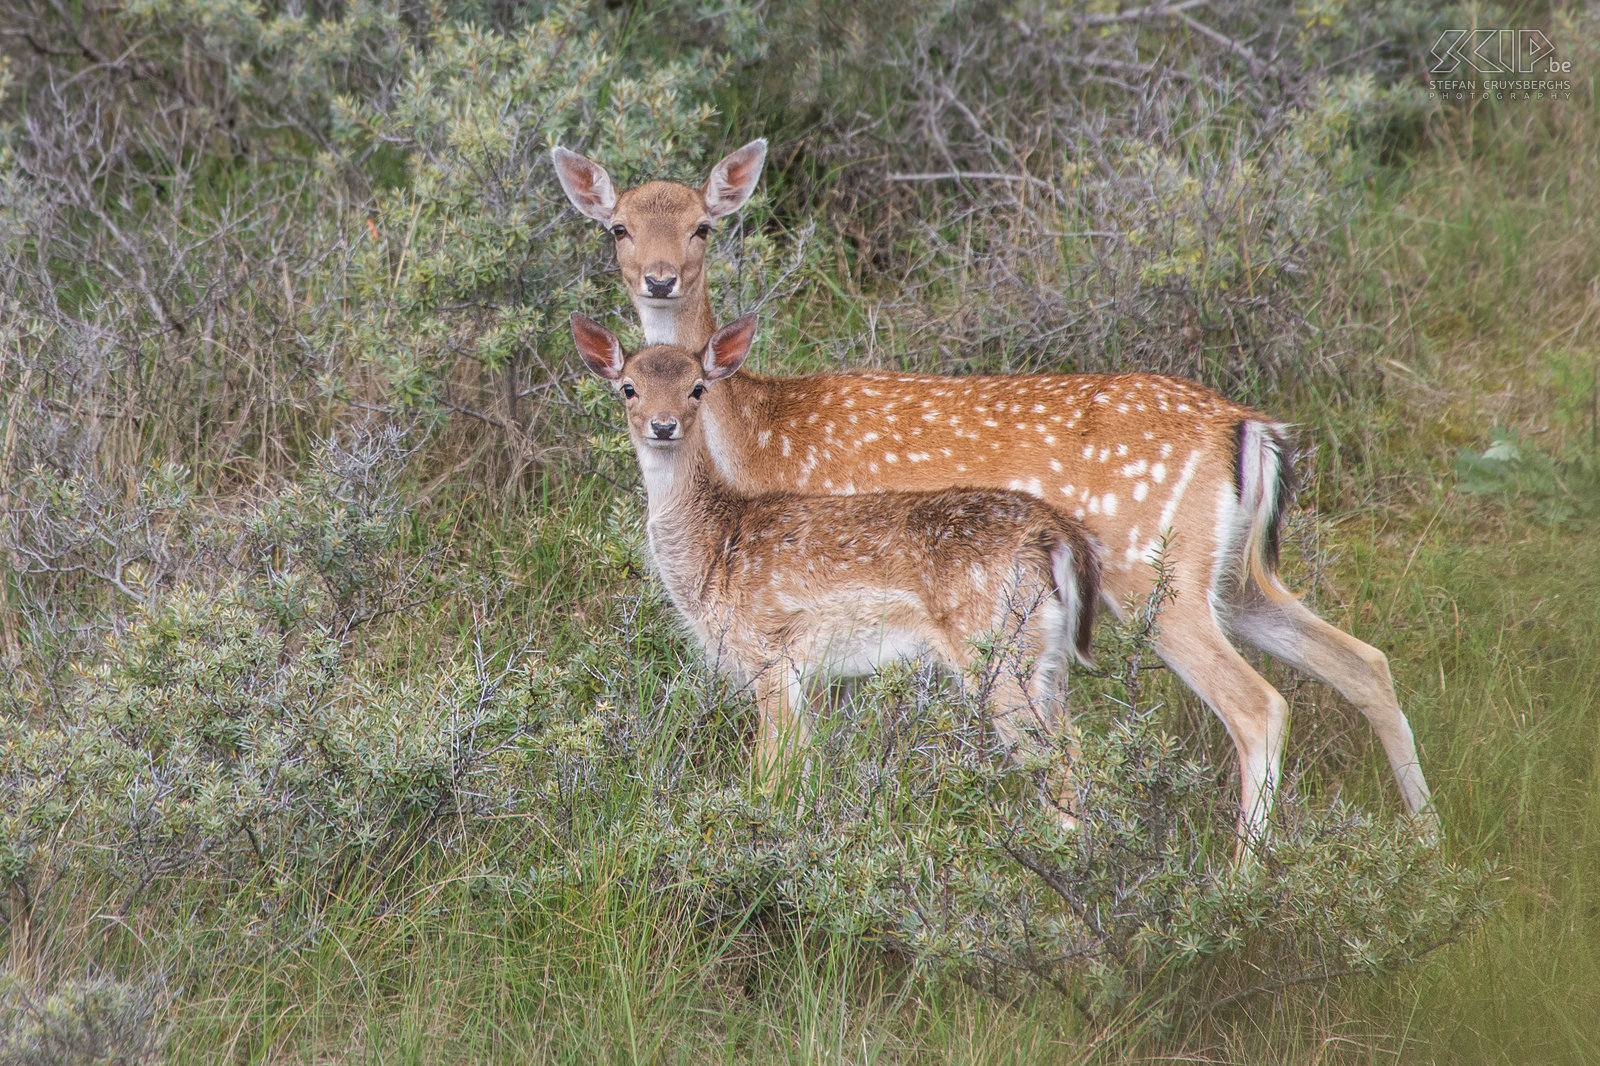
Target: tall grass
1485, 247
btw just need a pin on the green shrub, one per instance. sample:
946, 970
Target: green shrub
91, 1021
225, 736
1118, 187
1560, 491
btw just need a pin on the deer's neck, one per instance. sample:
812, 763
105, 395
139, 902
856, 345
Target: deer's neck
737, 421
686, 500
685, 322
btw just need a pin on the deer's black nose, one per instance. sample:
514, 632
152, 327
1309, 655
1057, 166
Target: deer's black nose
659, 288
664, 430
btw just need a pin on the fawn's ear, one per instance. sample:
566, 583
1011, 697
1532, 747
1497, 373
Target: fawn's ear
726, 349
598, 346
586, 184
734, 179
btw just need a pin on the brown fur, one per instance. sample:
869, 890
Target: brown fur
661, 232
923, 544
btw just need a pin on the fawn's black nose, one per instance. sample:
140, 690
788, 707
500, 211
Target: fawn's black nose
664, 430
659, 288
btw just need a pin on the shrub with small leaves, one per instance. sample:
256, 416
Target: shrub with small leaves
467, 268
90, 1021
228, 732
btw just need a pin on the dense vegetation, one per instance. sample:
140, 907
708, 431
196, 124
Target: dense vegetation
340, 718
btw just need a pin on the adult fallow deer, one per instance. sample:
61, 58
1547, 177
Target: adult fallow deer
1143, 460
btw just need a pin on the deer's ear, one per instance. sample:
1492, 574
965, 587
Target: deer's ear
727, 348
598, 346
586, 184
734, 179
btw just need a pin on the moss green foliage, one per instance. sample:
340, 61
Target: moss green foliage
1559, 491
340, 717
81, 1022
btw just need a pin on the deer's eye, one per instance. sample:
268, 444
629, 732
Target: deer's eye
703, 230
698, 390
619, 231
627, 391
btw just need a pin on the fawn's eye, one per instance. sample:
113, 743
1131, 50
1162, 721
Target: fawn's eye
627, 391
703, 230
619, 231
698, 390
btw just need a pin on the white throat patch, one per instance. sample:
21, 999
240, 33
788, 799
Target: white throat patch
660, 323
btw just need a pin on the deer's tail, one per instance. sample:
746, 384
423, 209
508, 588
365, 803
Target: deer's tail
1264, 480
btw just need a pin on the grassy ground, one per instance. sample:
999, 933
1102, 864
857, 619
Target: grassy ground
1487, 610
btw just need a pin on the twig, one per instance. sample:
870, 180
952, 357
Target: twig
1257, 65
1321, 976
1139, 14
41, 48
1117, 66
493, 421
973, 175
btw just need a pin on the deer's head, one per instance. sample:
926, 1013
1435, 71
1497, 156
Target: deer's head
662, 386
661, 227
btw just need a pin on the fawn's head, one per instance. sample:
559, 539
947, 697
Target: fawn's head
662, 227
662, 386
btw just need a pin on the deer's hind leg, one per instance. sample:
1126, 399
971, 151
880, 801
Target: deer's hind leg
1193, 644
1292, 632
1026, 696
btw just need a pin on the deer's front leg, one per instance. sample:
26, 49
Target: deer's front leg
785, 725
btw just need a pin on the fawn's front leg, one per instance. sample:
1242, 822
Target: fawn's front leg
785, 726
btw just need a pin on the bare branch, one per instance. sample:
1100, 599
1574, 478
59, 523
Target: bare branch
973, 175
1149, 12
1257, 65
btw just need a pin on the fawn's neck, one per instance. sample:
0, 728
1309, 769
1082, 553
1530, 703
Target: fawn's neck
684, 322
684, 493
